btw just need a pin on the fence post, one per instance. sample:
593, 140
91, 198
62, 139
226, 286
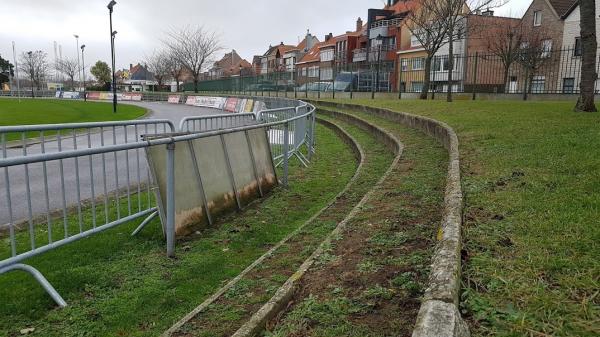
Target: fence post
352, 83
286, 149
311, 143
170, 200
475, 74
400, 79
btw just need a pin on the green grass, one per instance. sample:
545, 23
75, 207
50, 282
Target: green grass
121, 286
389, 266
50, 111
227, 314
531, 182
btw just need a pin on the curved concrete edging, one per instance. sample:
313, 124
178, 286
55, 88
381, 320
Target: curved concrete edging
359, 154
284, 294
439, 315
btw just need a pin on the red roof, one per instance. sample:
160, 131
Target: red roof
313, 54
403, 6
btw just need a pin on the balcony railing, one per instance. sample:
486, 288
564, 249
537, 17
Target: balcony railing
361, 54
386, 23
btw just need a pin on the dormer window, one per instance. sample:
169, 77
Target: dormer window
537, 18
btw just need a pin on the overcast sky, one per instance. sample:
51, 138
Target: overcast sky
247, 26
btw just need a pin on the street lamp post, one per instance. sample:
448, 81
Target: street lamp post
77, 51
112, 49
379, 45
83, 69
31, 68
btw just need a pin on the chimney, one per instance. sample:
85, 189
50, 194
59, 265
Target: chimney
309, 41
359, 24
130, 66
328, 37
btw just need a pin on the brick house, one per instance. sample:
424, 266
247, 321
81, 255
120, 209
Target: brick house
378, 53
544, 19
230, 65
490, 75
308, 68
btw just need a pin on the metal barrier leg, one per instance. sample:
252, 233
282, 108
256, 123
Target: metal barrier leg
311, 144
144, 223
286, 149
170, 200
40, 279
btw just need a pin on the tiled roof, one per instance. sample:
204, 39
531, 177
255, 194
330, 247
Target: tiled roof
562, 6
402, 6
313, 55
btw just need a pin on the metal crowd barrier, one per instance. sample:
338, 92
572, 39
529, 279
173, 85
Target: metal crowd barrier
63, 183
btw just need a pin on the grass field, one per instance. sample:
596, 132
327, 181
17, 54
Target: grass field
49, 111
531, 177
117, 285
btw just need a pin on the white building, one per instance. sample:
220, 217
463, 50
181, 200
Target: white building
571, 56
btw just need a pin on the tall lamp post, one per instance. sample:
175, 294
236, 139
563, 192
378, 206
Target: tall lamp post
77, 51
110, 7
83, 69
379, 45
30, 53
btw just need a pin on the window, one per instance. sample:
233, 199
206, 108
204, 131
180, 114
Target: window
537, 84
568, 85
441, 63
418, 63
327, 55
304, 71
417, 86
546, 48
414, 41
404, 64
313, 72
537, 18
578, 50
327, 74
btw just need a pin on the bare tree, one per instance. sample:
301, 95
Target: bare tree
588, 56
534, 51
426, 25
175, 70
194, 48
69, 68
452, 14
158, 64
504, 42
35, 65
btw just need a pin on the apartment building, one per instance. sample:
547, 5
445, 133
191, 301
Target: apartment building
230, 65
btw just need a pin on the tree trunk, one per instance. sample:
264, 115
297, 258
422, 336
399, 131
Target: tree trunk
427, 78
506, 84
588, 57
177, 85
195, 85
450, 64
526, 84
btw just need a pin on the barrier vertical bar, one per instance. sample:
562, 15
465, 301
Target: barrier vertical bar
170, 200
286, 147
230, 172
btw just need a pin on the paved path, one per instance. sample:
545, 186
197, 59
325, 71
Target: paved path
115, 166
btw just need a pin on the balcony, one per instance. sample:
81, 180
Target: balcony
360, 55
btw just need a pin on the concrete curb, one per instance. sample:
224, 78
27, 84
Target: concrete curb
284, 294
358, 152
439, 315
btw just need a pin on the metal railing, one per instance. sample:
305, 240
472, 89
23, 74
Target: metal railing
76, 180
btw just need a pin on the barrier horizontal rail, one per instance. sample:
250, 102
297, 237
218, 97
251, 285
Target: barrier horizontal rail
57, 192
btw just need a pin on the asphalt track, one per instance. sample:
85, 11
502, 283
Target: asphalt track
120, 168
